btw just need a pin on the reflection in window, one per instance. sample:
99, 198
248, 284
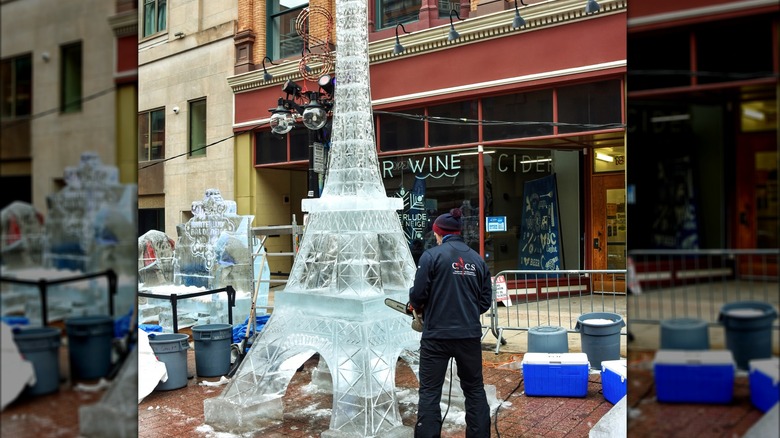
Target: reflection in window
283, 39
197, 146
525, 109
391, 12
446, 6
596, 103
151, 135
449, 129
70, 78
398, 132
155, 12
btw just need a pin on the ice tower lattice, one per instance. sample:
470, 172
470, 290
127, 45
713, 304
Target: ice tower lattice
352, 256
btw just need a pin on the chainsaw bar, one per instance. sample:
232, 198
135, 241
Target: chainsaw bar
397, 306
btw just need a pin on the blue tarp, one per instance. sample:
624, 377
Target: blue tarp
239, 330
150, 328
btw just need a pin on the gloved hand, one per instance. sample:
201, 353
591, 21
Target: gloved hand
417, 321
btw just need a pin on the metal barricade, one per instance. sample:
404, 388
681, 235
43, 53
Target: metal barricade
524, 299
671, 284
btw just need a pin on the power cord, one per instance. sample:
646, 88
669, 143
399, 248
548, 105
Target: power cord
495, 420
449, 396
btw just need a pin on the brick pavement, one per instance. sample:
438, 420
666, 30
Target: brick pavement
179, 413
49, 415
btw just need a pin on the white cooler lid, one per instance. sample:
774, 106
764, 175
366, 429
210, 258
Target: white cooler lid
616, 366
694, 357
556, 358
770, 367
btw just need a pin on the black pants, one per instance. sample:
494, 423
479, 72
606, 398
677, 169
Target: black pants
434, 357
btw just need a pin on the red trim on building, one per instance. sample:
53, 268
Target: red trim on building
522, 54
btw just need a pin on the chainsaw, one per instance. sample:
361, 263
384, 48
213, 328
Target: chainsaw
417, 321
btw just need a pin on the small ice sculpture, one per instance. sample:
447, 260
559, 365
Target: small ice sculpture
212, 252
353, 255
87, 222
22, 235
155, 258
85, 231
216, 237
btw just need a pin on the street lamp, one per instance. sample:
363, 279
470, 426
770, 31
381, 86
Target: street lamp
314, 115
282, 120
313, 108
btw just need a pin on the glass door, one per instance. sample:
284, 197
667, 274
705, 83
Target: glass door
616, 228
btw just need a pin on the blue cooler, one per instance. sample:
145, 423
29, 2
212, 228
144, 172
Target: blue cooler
764, 374
694, 376
555, 374
613, 380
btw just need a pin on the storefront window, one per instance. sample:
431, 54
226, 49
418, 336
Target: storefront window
531, 115
433, 184
401, 132
596, 103
391, 12
445, 126
299, 143
270, 148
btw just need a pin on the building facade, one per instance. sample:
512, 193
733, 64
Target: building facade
66, 89
505, 123
185, 54
703, 124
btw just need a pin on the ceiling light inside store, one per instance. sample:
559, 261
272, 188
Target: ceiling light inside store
754, 114
604, 157
673, 118
540, 160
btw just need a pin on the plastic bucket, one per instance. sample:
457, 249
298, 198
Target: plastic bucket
212, 349
684, 334
548, 339
171, 349
600, 336
748, 326
41, 346
89, 346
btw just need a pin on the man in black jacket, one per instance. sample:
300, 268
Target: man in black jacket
451, 289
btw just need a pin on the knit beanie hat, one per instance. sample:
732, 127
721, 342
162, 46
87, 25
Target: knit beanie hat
448, 223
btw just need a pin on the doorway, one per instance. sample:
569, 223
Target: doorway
608, 225
756, 213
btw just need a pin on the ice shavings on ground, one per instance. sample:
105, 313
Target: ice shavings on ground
222, 380
99, 386
312, 410
210, 433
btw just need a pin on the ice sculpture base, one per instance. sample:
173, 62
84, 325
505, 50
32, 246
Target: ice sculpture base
397, 432
225, 416
116, 415
359, 342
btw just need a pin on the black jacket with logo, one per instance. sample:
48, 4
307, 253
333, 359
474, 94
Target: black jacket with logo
452, 287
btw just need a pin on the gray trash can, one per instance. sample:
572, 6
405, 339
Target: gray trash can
89, 346
684, 334
41, 346
548, 339
748, 326
171, 349
212, 349
600, 336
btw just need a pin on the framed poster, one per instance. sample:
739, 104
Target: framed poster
540, 238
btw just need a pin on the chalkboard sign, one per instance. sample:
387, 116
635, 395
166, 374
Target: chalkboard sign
676, 222
540, 238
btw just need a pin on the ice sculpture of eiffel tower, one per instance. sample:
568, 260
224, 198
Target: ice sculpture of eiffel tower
352, 256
